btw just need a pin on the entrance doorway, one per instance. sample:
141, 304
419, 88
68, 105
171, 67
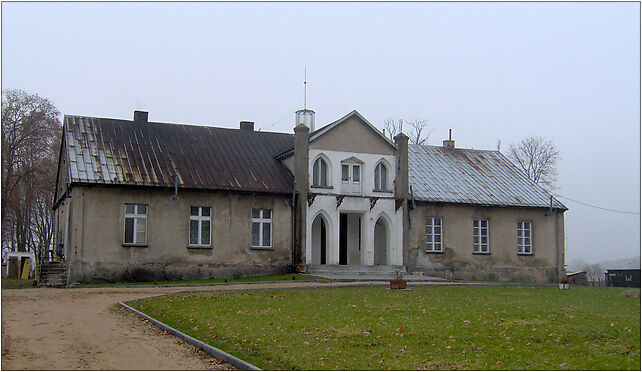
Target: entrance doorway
349, 239
380, 241
319, 241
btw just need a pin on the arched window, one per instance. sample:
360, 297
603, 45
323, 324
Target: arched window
320, 173
381, 177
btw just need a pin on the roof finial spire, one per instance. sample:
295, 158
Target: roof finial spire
305, 87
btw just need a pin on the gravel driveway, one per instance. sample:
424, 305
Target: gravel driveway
83, 328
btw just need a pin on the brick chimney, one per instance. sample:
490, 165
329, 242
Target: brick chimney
401, 188
247, 125
140, 117
401, 183
449, 143
301, 174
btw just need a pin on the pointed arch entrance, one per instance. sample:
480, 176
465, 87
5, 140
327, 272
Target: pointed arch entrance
320, 232
381, 238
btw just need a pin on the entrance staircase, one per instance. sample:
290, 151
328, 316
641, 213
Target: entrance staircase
355, 272
53, 274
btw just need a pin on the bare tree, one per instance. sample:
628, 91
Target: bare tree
30, 133
419, 130
537, 157
594, 271
392, 128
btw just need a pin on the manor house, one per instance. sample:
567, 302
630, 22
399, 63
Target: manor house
140, 200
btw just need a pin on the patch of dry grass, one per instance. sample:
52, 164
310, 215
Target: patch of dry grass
630, 293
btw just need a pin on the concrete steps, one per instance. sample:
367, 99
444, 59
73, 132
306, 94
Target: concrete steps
360, 270
53, 274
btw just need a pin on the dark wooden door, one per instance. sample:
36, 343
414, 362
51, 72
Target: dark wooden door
343, 239
323, 242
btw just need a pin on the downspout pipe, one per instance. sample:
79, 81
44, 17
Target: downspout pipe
293, 206
175, 177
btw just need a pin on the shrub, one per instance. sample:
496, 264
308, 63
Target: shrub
237, 275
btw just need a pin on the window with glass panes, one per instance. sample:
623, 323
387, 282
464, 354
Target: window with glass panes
433, 234
261, 228
381, 177
320, 173
480, 236
200, 226
135, 224
524, 237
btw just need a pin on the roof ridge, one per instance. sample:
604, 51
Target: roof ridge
177, 124
454, 148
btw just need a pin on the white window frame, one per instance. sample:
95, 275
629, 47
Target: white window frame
318, 161
430, 243
262, 223
479, 247
378, 177
350, 186
200, 219
135, 216
522, 247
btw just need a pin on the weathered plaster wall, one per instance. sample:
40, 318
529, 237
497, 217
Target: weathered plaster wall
95, 251
353, 135
503, 263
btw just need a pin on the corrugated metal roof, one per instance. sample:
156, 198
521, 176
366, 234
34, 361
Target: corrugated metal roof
481, 177
112, 151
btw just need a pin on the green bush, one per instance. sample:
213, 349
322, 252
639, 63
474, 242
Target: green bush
237, 275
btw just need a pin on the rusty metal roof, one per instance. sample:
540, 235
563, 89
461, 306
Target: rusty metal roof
479, 177
122, 152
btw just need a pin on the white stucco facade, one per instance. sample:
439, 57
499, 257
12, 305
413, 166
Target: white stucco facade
362, 211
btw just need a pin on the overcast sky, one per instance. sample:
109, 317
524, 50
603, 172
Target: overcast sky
491, 71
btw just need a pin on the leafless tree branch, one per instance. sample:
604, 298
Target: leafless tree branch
30, 138
538, 158
419, 130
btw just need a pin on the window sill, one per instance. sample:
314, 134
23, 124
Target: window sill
199, 247
135, 245
377, 190
482, 253
322, 187
262, 248
524, 254
434, 252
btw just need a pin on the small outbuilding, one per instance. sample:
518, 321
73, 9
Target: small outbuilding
577, 278
21, 265
622, 278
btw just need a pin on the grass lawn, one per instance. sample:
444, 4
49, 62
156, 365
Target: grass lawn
17, 283
212, 281
436, 327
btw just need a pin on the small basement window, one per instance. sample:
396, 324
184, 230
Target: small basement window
135, 224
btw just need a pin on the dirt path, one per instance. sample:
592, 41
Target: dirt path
83, 328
